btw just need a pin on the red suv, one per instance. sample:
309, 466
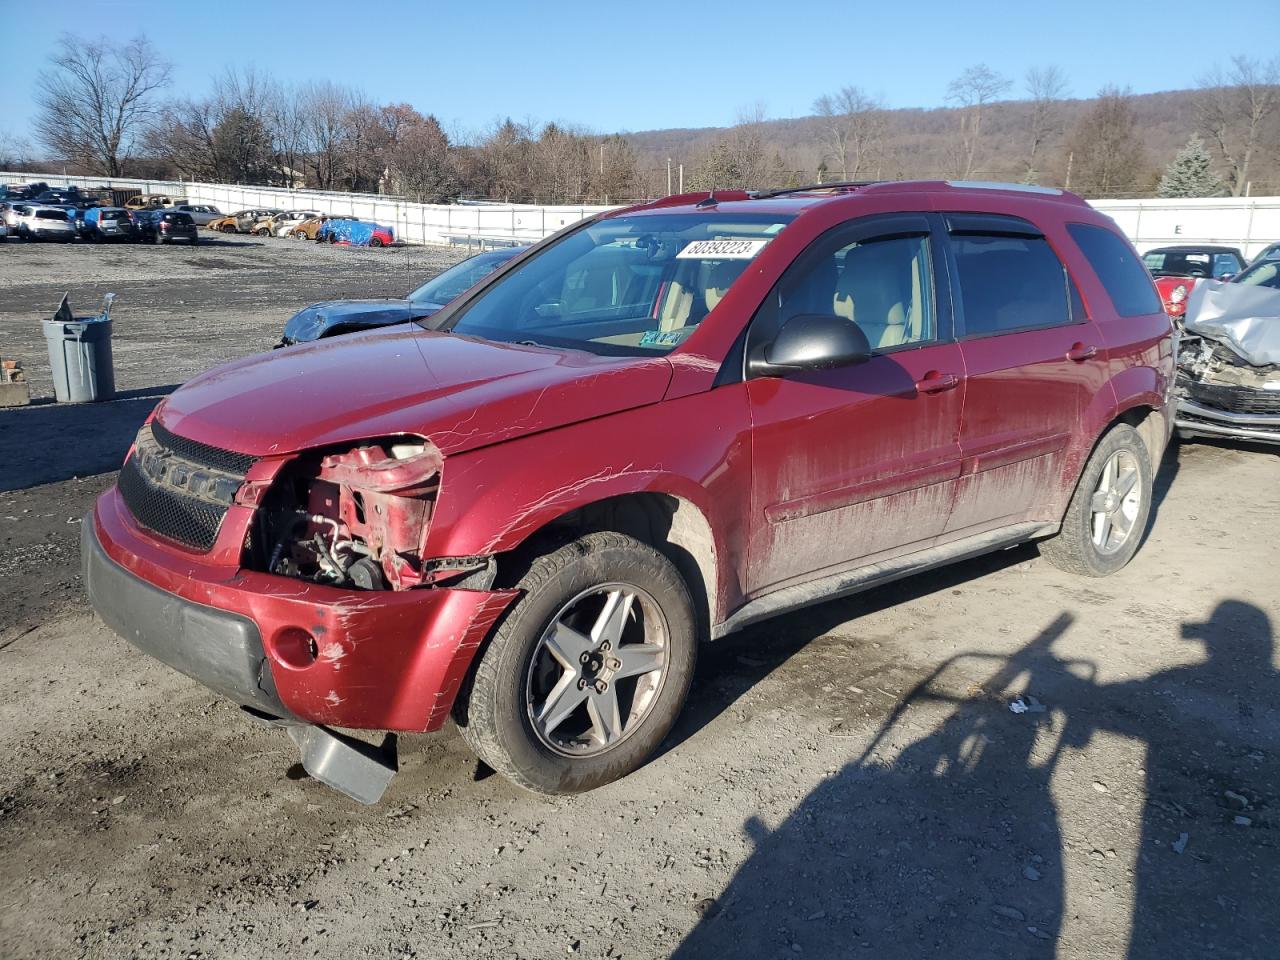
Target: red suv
658, 426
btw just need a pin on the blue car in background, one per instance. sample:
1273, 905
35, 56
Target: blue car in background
356, 233
334, 317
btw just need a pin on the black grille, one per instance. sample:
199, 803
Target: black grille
169, 512
202, 453
1235, 399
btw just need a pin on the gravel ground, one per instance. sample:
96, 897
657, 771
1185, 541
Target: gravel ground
849, 780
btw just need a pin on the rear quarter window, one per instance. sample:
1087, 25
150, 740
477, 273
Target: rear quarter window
1121, 273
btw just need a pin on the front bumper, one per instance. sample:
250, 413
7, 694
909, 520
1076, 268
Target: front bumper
373, 660
221, 650
1198, 420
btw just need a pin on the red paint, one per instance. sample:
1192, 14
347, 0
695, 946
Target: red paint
793, 477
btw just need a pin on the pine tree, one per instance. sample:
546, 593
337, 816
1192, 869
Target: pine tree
1189, 175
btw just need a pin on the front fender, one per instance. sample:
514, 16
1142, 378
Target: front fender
695, 448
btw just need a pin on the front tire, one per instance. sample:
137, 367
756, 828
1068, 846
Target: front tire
589, 670
1108, 514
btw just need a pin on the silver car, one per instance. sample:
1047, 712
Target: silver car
201, 213
36, 222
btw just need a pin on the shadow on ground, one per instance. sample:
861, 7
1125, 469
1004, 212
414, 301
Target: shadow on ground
950, 842
48, 442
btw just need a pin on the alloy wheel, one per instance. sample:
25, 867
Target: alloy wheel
597, 670
1116, 503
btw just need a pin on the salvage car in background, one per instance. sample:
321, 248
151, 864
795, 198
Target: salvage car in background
35, 222
309, 229
165, 226
355, 233
241, 221
334, 317
662, 425
152, 201
283, 224
107, 223
1271, 252
1178, 269
1229, 358
201, 213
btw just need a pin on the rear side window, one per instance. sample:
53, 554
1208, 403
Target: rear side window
1010, 282
1127, 283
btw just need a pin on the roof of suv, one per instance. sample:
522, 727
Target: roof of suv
797, 199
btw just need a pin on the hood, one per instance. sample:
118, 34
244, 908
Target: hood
313, 322
459, 392
1244, 317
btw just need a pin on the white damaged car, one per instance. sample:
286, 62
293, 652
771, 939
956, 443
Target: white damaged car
1228, 382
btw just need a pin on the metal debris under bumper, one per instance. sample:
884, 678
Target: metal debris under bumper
355, 767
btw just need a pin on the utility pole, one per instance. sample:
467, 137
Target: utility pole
668, 176
602, 159
1070, 159
682, 178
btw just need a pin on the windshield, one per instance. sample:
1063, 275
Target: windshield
637, 285
461, 277
1264, 274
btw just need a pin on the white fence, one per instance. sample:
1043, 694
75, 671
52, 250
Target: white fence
434, 223
1249, 223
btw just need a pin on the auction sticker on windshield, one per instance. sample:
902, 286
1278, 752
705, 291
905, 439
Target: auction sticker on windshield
721, 250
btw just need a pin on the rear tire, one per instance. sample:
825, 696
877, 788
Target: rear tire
228, 228
375, 242
597, 707
1107, 517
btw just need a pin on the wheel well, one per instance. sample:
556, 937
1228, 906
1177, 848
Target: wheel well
671, 525
1150, 425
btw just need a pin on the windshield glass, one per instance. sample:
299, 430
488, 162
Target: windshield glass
461, 277
1264, 274
635, 285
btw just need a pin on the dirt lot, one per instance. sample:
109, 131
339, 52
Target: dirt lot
848, 781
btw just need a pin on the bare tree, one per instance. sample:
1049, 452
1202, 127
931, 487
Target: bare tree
15, 152
1105, 144
97, 99
971, 91
420, 161
615, 175
1045, 86
325, 111
1236, 110
852, 128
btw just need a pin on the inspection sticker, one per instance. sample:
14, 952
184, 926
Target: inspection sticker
721, 250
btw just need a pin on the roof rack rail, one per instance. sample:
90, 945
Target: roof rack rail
840, 186
1000, 185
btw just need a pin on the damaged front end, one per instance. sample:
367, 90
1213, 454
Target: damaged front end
358, 518
1228, 382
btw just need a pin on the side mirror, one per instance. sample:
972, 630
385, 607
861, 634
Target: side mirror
810, 341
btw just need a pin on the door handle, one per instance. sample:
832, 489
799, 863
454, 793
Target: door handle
1080, 352
935, 382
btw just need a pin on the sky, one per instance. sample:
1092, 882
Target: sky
610, 66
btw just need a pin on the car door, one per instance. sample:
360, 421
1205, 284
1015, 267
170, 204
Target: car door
1033, 359
853, 464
